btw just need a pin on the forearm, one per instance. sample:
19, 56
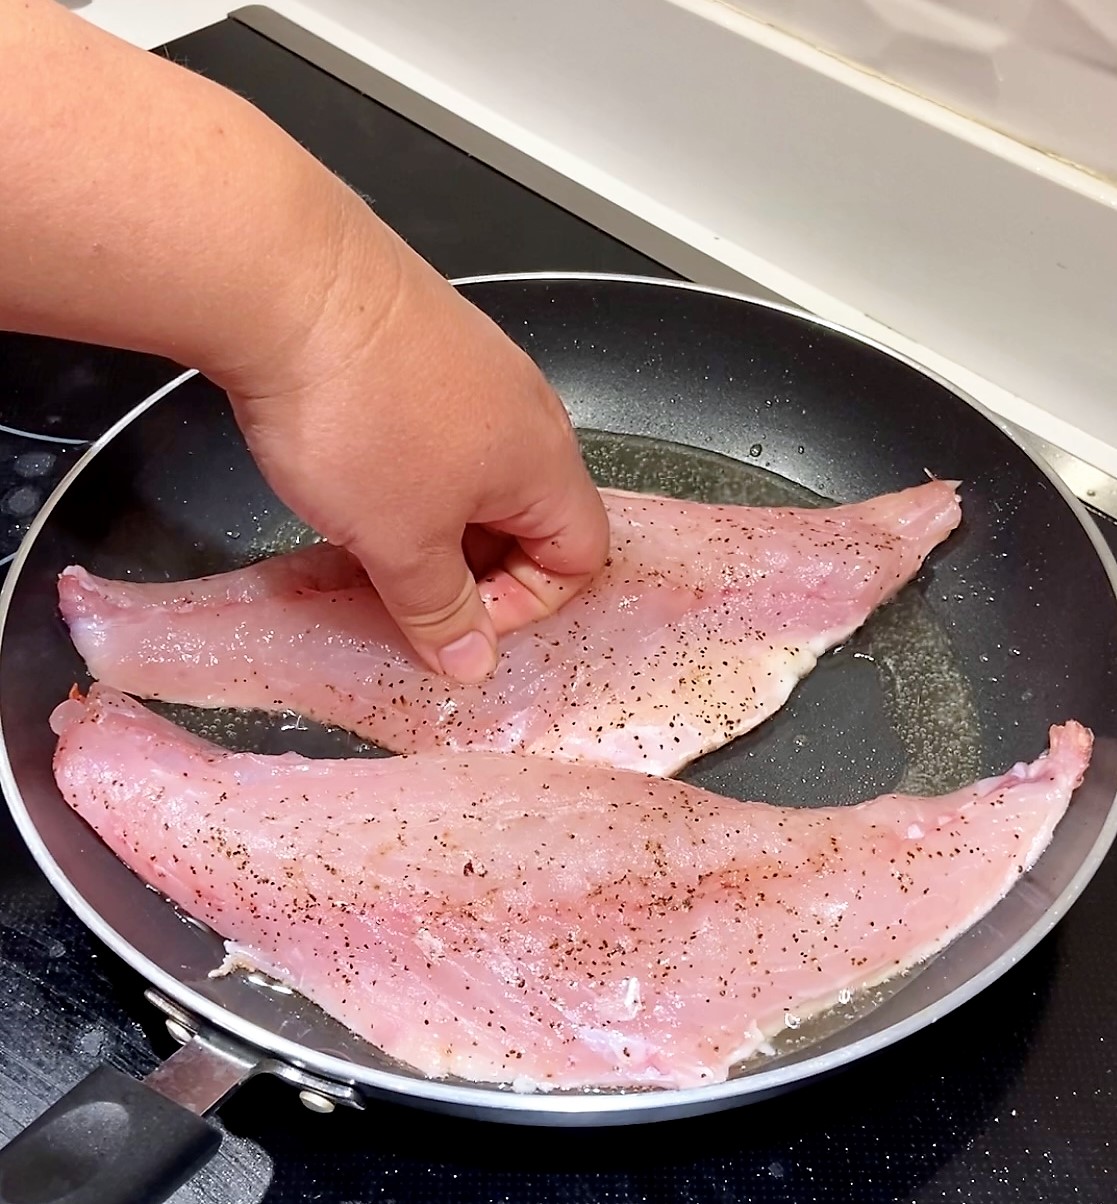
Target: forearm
143, 206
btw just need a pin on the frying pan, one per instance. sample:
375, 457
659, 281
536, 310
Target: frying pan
1010, 627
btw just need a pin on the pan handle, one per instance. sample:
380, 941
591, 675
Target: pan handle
115, 1140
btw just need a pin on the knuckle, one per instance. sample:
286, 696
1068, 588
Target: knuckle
424, 592
434, 616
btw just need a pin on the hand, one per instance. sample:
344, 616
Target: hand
385, 410
409, 429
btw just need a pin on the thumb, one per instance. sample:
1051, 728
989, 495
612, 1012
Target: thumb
433, 598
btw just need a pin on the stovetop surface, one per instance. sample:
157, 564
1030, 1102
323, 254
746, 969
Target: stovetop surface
1010, 1099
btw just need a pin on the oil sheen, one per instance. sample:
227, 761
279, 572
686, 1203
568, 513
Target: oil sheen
924, 691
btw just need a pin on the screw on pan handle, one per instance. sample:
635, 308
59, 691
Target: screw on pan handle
111, 1140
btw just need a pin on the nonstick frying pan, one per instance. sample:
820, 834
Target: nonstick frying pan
1010, 627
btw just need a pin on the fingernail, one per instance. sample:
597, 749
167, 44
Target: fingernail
468, 659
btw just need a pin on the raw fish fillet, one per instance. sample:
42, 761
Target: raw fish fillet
699, 629
549, 924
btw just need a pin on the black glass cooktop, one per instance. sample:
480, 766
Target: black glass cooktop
1011, 1100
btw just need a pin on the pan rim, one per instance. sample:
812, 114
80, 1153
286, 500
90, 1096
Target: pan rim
542, 1108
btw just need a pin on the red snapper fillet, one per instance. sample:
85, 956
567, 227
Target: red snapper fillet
698, 629
549, 924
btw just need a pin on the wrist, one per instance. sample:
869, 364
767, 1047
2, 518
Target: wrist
329, 278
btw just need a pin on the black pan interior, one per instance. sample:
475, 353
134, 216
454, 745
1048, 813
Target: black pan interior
1023, 607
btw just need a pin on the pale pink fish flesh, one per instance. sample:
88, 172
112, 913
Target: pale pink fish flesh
698, 630
549, 924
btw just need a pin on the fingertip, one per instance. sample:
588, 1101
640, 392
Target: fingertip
567, 536
521, 592
468, 659
435, 603
582, 544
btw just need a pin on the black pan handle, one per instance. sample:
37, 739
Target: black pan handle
111, 1140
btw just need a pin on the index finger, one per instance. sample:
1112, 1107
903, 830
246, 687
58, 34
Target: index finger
561, 544
520, 592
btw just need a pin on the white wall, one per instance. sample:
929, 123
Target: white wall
1043, 71
988, 262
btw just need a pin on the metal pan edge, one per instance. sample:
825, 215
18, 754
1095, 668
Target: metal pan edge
542, 1109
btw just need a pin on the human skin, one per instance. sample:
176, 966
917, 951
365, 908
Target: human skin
145, 207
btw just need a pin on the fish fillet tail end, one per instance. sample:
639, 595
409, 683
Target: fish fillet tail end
1069, 751
67, 713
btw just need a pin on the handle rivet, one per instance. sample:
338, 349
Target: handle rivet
316, 1102
180, 1032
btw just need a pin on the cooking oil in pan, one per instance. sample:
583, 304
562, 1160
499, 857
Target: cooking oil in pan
925, 692
263, 732
645, 465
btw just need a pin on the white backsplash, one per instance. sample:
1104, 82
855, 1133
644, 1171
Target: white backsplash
738, 146
1042, 71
